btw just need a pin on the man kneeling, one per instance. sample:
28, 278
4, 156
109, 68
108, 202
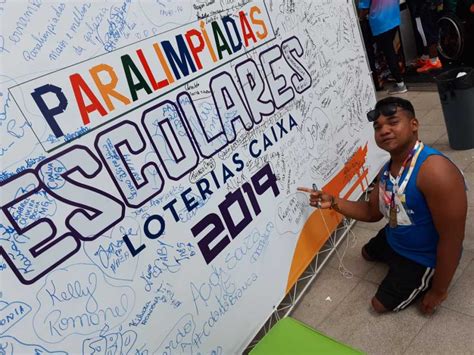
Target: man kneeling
422, 195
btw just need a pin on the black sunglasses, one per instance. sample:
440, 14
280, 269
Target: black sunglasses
386, 110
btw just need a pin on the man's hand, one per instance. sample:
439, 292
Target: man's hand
317, 198
367, 211
431, 300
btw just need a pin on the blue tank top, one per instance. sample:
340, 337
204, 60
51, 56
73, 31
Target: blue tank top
415, 236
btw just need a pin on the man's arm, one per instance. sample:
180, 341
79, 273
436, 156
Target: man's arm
367, 211
442, 185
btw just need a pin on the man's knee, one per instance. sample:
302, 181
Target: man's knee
378, 306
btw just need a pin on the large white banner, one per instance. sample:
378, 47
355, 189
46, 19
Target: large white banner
149, 158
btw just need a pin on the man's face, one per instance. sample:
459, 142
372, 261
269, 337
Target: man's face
393, 133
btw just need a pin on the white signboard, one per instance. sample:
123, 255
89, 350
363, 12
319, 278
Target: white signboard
149, 157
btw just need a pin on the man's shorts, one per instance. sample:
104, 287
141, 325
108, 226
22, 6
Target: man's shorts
406, 280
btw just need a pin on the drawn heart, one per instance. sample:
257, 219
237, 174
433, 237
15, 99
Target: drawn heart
291, 213
111, 254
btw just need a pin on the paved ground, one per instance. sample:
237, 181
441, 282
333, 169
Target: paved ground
347, 315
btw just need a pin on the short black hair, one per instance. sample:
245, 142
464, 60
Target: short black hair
405, 104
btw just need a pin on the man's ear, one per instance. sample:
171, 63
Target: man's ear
415, 124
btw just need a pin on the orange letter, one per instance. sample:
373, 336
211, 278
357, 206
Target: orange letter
208, 42
163, 63
107, 90
255, 21
79, 84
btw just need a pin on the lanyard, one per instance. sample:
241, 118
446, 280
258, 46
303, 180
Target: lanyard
413, 156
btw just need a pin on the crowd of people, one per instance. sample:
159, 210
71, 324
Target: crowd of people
380, 22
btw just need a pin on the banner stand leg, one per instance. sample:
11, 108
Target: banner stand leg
307, 277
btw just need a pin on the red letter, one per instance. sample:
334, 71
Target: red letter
79, 84
149, 73
247, 32
195, 50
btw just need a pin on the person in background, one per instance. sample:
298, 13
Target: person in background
428, 12
384, 20
369, 47
422, 195
420, 39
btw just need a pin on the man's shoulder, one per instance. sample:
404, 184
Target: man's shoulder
439, 171
438, 163
431, 158
429, 151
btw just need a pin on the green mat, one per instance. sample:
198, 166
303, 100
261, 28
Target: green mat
289, 336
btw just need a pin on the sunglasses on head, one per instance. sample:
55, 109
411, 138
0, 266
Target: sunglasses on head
386, 110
